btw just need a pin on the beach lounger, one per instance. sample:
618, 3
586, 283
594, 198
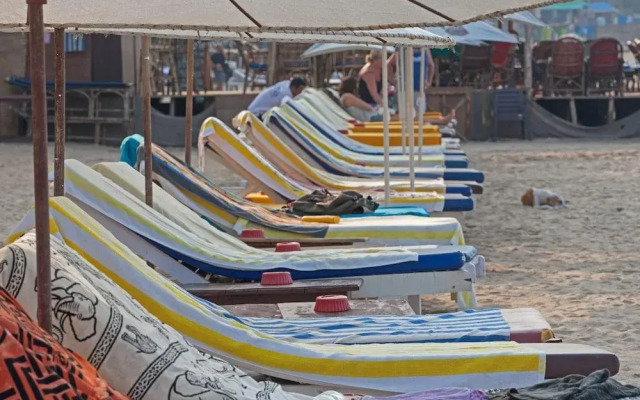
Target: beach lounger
286, 125
445, 268
387, 367
307, 108
217, 141
326, 132
306, 126
387, 271
343, 126
234, 214
320, 151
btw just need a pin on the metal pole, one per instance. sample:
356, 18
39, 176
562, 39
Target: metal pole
401, 95
528, 72
60, 127
40, 178
188, 124
146, 111
385, 118
421, 101
410, 112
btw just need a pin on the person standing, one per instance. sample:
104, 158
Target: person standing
429, 73
370, 80
276, 95
221, 70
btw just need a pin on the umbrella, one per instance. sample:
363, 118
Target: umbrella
320, 49
475, 33
262, 16
527, 18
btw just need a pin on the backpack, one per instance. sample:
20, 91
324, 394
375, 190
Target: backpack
323, 202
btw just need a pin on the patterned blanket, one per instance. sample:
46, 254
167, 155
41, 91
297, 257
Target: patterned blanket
32, 364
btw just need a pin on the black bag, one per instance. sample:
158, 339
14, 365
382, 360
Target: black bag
323, 202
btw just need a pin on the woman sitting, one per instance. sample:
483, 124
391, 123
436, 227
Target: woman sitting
358, 109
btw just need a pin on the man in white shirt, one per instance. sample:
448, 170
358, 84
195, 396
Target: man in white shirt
276, 95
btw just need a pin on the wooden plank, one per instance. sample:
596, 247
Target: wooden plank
254, 293
358, 308
255, 310
304, 242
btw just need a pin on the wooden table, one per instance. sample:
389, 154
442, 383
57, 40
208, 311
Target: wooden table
305, 310
255, 293
262, 243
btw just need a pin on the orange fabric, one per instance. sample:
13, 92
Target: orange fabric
34, 366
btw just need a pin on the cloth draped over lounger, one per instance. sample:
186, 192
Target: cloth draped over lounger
216, 139
397, 368
234, 214
463, 259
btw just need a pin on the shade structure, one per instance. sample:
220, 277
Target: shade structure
263, 16
475, 33
527, 18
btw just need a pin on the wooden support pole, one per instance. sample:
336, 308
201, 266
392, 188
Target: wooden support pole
528, 67
40, 167
188, 124
60, 124
146, 112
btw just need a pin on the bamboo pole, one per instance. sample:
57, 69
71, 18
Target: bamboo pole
40, 173
188, 123
528, 71
60, 123
385, 118
146, 111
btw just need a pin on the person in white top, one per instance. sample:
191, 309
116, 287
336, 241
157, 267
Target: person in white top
276, 95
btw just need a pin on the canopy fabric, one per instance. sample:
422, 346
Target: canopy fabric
526, 17
320, 49
262, 16
475, 33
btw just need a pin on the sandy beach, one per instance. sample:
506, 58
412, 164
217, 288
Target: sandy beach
578, 266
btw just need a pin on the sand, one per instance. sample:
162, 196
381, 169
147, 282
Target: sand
580, 266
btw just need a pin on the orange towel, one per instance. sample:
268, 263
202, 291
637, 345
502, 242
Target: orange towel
34, 366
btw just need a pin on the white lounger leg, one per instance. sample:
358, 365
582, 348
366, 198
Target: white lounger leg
415, 303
